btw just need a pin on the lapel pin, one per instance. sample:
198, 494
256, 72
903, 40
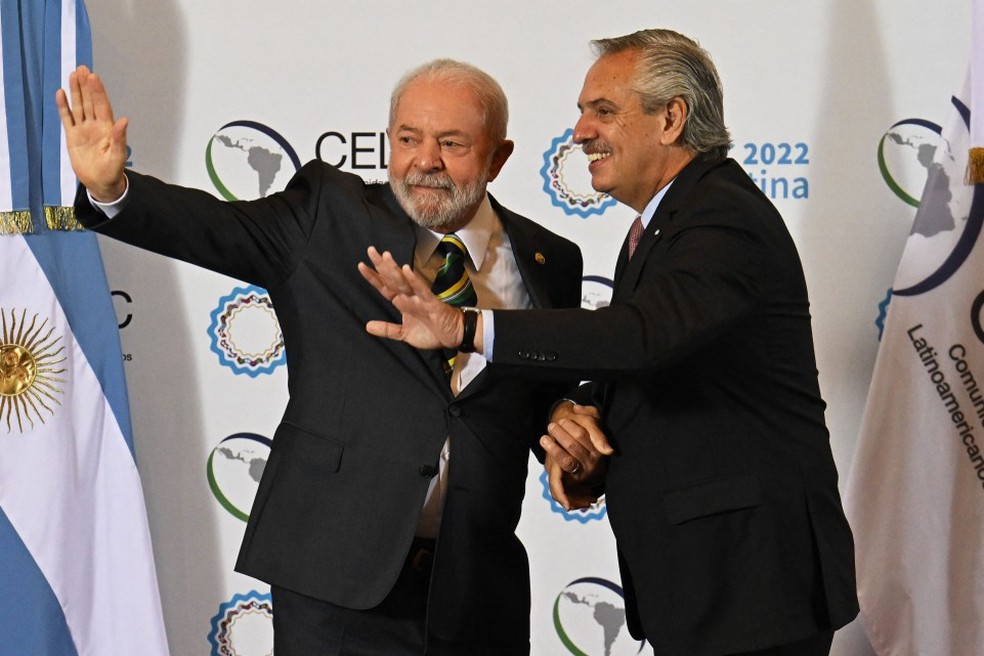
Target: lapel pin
539, 257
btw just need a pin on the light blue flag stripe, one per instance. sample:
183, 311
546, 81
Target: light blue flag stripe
31, 622
15, 103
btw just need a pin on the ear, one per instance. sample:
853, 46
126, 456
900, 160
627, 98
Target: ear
499, 157
675, 118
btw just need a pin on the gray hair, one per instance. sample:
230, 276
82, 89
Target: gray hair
672, 65
495, 108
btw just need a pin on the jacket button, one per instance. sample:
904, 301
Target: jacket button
523, 355
454, 411
427, 471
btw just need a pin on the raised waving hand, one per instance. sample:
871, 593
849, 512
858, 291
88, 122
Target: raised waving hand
96, 142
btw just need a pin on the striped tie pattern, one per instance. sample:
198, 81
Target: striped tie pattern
635, 234
452, 284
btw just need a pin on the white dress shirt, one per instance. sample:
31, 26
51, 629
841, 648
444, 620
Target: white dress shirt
492, 268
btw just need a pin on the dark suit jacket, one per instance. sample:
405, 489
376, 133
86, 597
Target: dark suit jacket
723, 492
340, 497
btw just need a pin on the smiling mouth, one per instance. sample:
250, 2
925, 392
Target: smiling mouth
595, 157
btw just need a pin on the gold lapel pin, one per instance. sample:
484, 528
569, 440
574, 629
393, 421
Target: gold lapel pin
539, 257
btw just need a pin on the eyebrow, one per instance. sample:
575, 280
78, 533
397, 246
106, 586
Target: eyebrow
596, 102
440, 135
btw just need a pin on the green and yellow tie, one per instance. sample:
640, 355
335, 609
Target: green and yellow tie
452, 284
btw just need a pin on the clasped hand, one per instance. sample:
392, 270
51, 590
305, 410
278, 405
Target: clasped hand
577, 455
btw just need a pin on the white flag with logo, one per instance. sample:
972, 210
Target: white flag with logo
77, 572
915, 494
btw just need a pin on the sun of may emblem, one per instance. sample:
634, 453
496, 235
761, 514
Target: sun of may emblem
29, 359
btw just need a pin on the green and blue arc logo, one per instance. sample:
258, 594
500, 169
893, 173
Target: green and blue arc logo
247, 160
589, 618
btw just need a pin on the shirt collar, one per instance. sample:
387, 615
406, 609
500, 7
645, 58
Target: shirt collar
475, 235
647, 214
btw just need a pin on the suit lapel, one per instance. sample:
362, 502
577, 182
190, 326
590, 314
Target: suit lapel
627, 271
393, 230
533, 258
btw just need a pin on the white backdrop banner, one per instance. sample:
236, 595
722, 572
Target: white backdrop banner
829, 103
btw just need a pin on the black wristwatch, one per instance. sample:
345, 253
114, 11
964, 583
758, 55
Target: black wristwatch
471, 325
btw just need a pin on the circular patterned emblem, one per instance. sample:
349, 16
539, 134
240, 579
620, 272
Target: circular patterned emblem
30, 353
243, 626
245, 332
589, 617
567, 180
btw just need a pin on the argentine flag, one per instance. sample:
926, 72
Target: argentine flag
76, 567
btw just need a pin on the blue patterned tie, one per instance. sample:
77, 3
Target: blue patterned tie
452, 284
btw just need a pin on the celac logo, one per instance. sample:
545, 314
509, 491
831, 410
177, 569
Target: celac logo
949, 215
589, 617
905, 157
245, 332
597, 510
234, 468
247, 160
567, 181
243, 626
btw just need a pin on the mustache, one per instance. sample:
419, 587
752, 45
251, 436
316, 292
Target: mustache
433, 180
596, 146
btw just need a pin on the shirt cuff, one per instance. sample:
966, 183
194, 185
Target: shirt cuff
111, 208
488, 333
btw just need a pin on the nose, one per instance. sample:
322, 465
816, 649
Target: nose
584, 130
429, 157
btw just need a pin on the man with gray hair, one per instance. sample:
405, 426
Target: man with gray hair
375, 540
721, 486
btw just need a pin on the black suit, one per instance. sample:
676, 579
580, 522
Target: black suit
723, 492
339, 500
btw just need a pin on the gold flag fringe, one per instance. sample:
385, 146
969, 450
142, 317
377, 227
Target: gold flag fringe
61, 218
16, 222
975, 166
